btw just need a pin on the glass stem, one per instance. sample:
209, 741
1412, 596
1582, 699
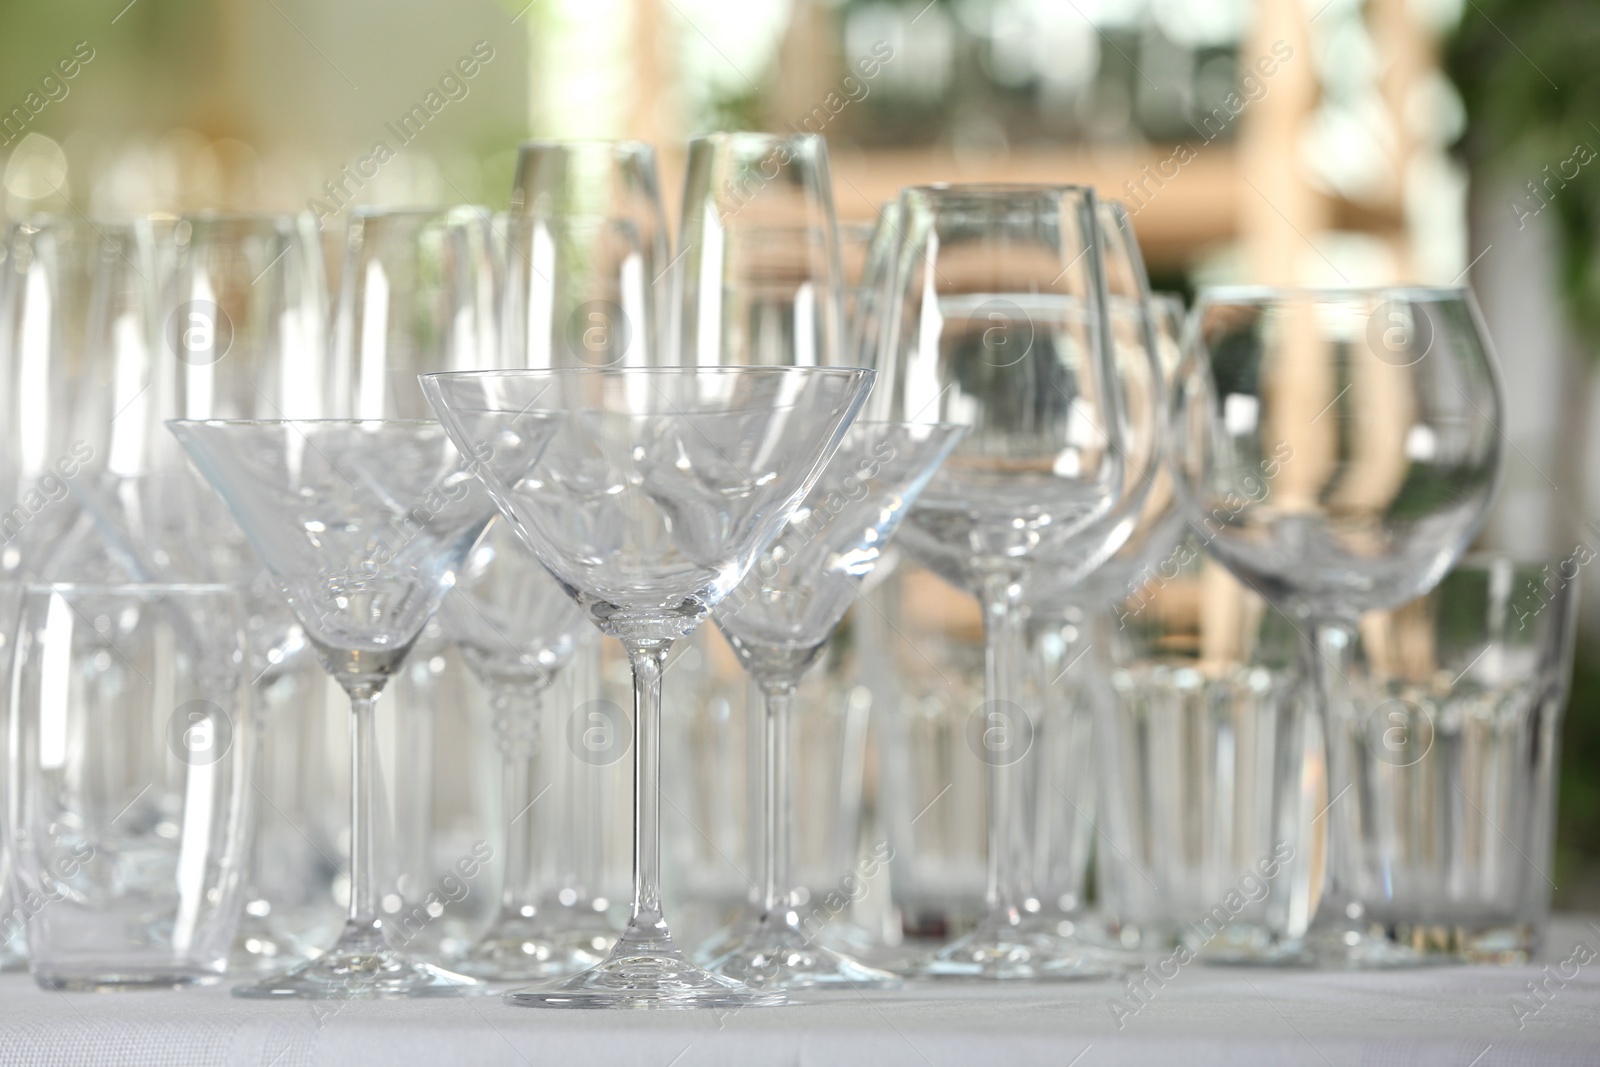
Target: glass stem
1330, 651
777, 812
648, 658
1003, 647
363, 922
516, 720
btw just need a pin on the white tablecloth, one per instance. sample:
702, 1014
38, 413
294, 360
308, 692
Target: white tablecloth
1449, 1016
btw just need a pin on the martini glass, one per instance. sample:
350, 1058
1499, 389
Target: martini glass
516, 629
655, 497
362, 526
778, 621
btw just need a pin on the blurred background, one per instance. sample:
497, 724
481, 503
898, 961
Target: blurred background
1318, 142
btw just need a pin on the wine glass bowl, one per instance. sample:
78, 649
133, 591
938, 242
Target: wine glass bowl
1342, 443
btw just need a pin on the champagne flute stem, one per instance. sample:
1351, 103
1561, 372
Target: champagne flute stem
1003, 641
777, 812
648, 659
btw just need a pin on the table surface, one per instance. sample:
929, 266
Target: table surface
1449, 1016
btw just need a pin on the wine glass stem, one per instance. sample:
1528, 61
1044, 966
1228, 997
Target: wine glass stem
516, 709
776, 810
363, 780
1330, 654
648, 659
1003, 646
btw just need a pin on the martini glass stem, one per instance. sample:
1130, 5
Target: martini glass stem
648, 659
1003, 647
363, 929
776, 811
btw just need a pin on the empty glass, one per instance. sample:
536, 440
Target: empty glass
778, 621
1210, 775
1451, 730
758, 280
1344, 447
997, 319
653, 500
586, 257
128, 757
362, 525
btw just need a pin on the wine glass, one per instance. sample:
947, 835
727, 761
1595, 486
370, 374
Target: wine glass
363, 526
586, 252
1341, 448
996, 318
651, 503
778, 621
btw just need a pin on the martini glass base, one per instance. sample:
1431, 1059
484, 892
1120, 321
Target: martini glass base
1001, 951
361, 967
522, 949
779, 956
646, 973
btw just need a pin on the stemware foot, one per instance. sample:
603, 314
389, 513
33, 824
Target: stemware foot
520, 949
646, 974
777, 955
1015, 952
361, 968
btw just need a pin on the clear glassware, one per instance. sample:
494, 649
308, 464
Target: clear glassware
778, 621
1452, 731
1063, 604
129, 787
997, 318
1211, 774
1344, 446
652, 502
363, 526
76, 307
757, 282
586, 257
758, 279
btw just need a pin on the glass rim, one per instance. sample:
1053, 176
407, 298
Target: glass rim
615, 145
993, 190
710, 370
1260, 294
131, 588
302, 422
369, 211
1485, 558
213, 215
713, 137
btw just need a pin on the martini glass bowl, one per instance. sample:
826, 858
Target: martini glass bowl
362, 526
778, 621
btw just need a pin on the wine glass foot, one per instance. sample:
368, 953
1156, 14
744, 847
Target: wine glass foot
1015, 952
646, 974
783, 957
520, 949
363, 973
